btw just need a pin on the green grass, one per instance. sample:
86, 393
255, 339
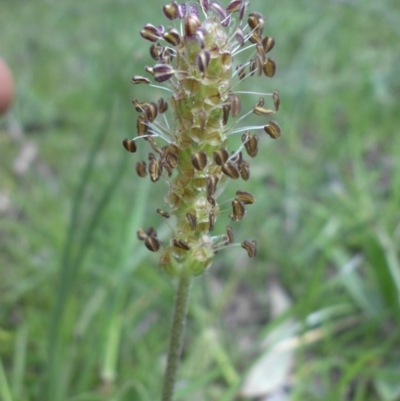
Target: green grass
84, 310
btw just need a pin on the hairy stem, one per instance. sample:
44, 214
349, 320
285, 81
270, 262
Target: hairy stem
177, 330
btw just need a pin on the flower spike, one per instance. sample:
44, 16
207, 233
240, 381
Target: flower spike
198, 64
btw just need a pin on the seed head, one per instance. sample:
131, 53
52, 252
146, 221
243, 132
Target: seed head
189, 130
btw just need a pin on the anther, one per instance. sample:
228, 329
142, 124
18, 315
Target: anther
171, 11
212, 181
155, 170
233, 6
276, 99
179, 243
199, 160
150, 32
203, 60
235, 104
273, 129
172, 37
268, 44
163, 213
250, 143
138, 79
225, 113
151, 111
231, 170
246, 197
238, 210
261, 111
251, 248
129, 145
269, 67
163, 72
141, 169
192, 220
229, 233
191, 24
152, 244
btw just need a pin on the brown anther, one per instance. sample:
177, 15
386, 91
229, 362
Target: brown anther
155, 170
152, 244
256, 22
268, 44
261, 111
235, 104
229, 233
171, 11
203, 60
225, 113
253, 66
156, 51
231, 170
250, 143
179, 243
151, 156
273, 129
269, 67
162, 105
234, 5
129, 145
163, 72
150, 32
172, 159
192, 220
211, 221
212, 182
246, 197
138, 79
241, 71
172, 37
141, 125
244, 169
276, 99
151, 111
191, 24
260, 102
251, 248
141, 169
221, 156
163, 214
238, 210
199, 160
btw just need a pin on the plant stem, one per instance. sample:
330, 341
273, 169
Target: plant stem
177, 330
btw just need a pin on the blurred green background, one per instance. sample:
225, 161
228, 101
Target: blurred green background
84, 311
